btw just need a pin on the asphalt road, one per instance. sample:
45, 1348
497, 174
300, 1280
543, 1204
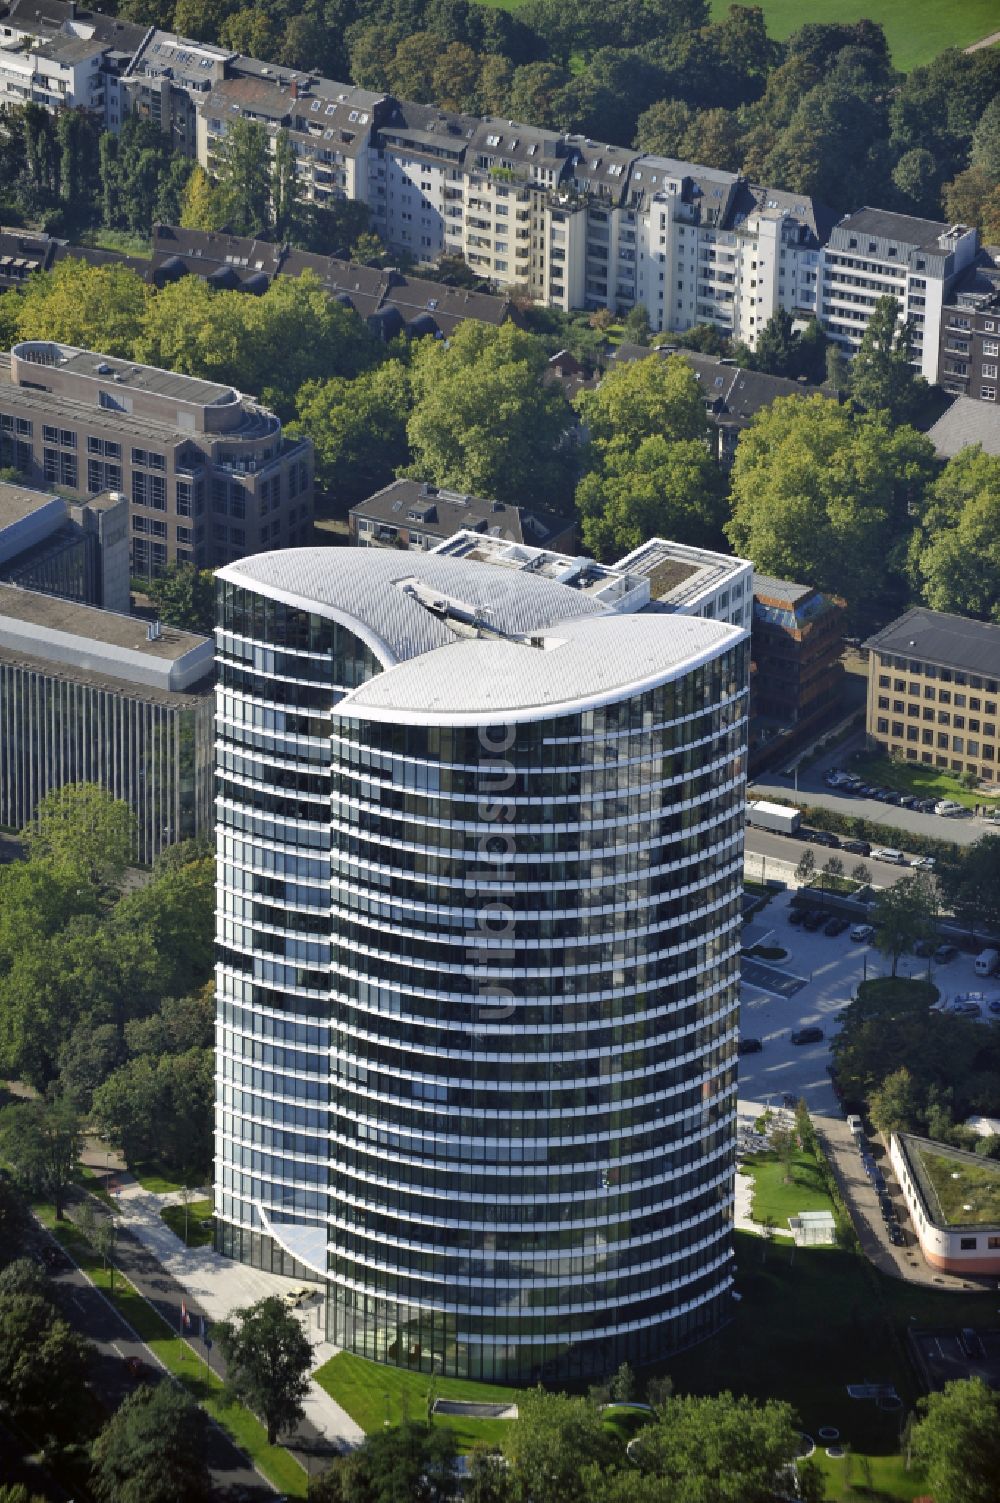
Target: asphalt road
788, 849
95, 1318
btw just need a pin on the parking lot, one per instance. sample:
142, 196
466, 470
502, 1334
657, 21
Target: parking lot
944, 1356
829, 970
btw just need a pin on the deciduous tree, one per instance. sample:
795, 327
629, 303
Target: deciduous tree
483, 422
954, 557
268, 1357
957, 1442
42, 1141
184, 596
903, 914
153, 1450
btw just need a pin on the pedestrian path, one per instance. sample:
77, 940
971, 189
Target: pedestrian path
219, 1285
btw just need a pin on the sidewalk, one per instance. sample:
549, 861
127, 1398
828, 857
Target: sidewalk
217, 1286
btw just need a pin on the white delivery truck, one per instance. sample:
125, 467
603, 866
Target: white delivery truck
987, 963
776, 817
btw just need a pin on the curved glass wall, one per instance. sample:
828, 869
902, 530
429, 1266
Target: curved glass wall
477, 1008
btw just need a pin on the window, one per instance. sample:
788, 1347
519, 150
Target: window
990, 372
988, 393
185, 535
967, 1244
991, 347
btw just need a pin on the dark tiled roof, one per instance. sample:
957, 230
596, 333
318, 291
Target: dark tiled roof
966, 422
47, 17
443, 512
947, 641
924, 234
370, 290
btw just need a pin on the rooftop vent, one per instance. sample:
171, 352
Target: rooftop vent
153, 631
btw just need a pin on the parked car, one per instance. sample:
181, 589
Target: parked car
796, 917
885, 795
896, 1234
137, 1368
972, 1346
948, 808
967, 1009
923, 863
813, 920
924, 948
862, 933
823, 837
926, 805
878, 1180
807, 1036
908, 801
857, 847
944, 953
296, 1297
750, 1046
835, 926
889, 854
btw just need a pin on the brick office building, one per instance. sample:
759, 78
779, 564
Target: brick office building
208, 472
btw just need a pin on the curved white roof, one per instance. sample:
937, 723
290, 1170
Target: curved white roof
359, 587
574, 653
584, 663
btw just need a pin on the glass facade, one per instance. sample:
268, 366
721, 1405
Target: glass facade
154, 752
477, 1006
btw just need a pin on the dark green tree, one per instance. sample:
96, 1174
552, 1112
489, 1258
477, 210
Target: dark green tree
970, 884
244, 177
153, 1450
43, 1363
42, 1142
285, 191
184, 596
957, 1442
777, 351
268, 1358
551, 1443
882, 373
720, 1449
903, 914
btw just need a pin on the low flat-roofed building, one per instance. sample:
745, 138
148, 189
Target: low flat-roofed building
91, 696
934, 692
953, 1198
693, 581
414, 514
79, 550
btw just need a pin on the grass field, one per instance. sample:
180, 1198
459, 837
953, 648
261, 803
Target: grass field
808, 1323
197, 1212
772, 1197
154, 1178
372, 1393
923, 782
917, 29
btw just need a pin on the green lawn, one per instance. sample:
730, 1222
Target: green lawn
372, 1392
958, 1184
772, 1197
246, 1430
917, 29
155, 1178
908, 777
808, 1325
197, 1212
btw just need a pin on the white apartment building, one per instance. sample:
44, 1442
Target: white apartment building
571, 222
873, 253
66, 70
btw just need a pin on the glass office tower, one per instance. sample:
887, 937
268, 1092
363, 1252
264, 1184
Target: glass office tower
480, 865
